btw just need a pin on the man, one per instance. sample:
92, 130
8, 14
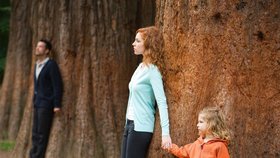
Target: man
47, 97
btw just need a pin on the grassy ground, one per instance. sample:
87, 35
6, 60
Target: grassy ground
6, 145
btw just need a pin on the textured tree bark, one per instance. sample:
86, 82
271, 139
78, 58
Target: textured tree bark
92, 45
223, 53
16, 80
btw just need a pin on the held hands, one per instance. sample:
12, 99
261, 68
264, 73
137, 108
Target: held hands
166, 142
56, 110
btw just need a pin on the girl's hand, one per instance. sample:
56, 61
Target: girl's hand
166, 142
56, 110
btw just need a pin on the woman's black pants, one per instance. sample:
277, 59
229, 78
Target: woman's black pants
135, 144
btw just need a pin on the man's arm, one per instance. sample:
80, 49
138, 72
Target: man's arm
56, 85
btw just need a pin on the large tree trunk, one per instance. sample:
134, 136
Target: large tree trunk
223, 53
92, 45
16, 79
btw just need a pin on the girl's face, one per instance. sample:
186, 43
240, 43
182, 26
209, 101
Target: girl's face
138, 44
202, 126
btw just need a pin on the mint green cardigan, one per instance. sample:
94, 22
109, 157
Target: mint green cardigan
146, 88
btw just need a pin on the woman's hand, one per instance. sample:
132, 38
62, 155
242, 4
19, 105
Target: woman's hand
166, 142
56, 110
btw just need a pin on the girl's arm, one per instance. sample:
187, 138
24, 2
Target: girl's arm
181, 152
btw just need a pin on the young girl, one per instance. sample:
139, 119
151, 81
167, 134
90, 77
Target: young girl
214, 136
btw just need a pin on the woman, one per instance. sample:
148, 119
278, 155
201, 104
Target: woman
145, 88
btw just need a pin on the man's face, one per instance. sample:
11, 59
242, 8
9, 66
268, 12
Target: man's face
41, 49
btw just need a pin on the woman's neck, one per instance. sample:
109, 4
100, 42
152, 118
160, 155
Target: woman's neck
144, 64
146, 60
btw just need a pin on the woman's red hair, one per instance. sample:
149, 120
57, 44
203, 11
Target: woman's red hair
153, 43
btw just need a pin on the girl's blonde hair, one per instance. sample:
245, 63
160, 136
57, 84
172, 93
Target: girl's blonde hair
216, 122
153, 43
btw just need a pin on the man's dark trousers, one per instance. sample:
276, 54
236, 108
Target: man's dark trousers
47, 96
42, 122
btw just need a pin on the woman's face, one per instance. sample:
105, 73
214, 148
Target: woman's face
202, 126
138, 44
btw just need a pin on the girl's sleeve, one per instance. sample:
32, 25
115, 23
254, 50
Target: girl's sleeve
157, 85
223, 152
181, 152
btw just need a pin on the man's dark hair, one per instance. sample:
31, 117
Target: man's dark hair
48, 43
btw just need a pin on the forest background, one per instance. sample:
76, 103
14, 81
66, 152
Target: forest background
216, 53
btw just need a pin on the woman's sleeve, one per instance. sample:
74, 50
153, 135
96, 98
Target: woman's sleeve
181, 152
157, 85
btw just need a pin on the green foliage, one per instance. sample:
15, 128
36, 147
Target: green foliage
2, 63
2, 66
4, 19
7, 145
5, 10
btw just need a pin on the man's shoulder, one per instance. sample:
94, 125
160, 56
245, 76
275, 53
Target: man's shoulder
52, 62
